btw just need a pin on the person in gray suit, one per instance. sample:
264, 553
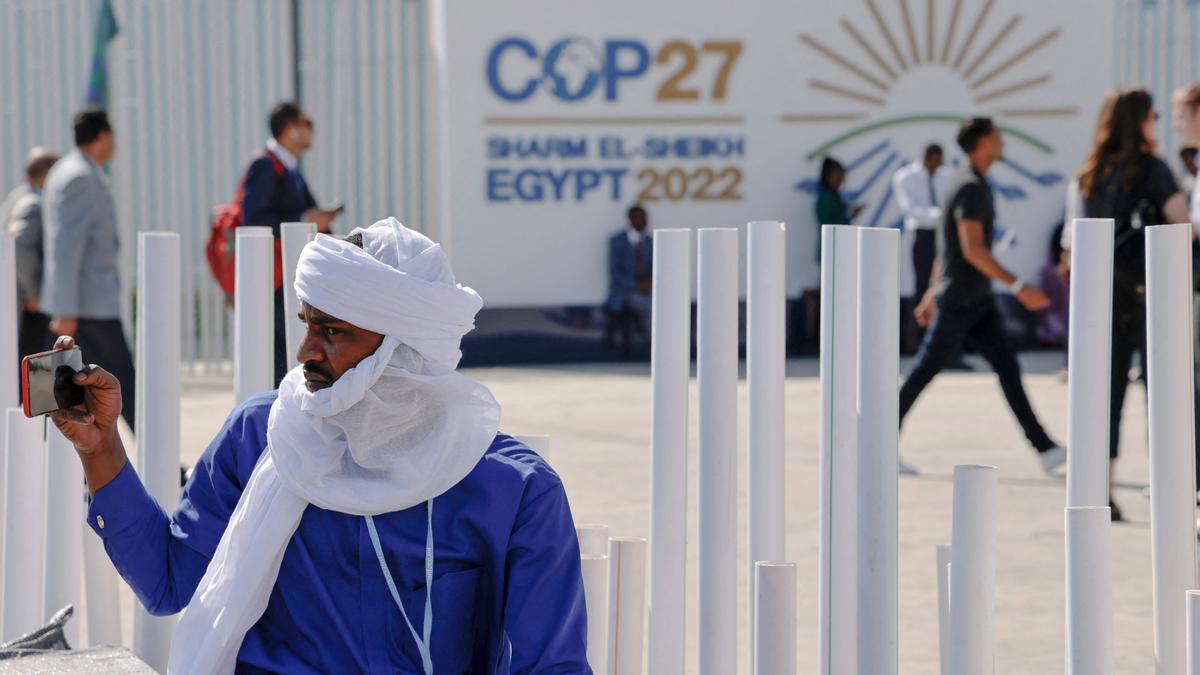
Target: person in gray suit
22, 215
81, 285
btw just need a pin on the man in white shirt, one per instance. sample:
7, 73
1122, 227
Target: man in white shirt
918, 187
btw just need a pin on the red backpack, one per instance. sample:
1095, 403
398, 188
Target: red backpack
219, 248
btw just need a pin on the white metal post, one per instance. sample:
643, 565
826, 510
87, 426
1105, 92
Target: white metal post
670, 365
254, 318
837, 641
1170, 390
878, 449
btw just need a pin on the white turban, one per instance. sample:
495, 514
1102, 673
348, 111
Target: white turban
399, 428
399, 284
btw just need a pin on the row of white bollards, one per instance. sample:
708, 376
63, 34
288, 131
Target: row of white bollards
48, 559
58, 560
49, 556
858, 604
772, 649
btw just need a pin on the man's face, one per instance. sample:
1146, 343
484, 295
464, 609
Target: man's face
301, 131
331, 347
994, 145
105, 146
637, 220
933, 161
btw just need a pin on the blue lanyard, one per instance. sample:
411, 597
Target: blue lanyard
422, 643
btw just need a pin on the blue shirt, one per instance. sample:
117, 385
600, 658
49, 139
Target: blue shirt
507, 590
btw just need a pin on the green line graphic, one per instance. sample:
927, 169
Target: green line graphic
1024, 136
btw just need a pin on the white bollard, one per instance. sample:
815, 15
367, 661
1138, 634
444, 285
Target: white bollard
838, 582
1089, 590
1090, 360
539, 443
24, 523
717, 375
774, 648
253, 312
593, 539
293, 238
158, 391
101, 600
766, 332
1193, 633
670, 366
65, 515
595, 596
10, 359
838, 592
943, 586
626, 605
878, 448
1170, 388
973, 563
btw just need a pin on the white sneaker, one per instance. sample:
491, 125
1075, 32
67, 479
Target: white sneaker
1052, 459
907, 469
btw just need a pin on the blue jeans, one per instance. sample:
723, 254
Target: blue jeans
981, 326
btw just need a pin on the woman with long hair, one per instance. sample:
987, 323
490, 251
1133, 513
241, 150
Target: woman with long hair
1122, 179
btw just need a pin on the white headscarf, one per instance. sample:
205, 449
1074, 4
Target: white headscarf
399, 428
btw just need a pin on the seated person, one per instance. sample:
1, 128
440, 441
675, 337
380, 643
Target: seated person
365, 517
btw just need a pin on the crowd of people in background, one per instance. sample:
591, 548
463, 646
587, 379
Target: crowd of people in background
65, 224
1122, 178
64, 221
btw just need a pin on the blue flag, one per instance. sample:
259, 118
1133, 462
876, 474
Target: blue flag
106, 30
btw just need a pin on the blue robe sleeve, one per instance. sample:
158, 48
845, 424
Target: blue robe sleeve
545, 617
163, 558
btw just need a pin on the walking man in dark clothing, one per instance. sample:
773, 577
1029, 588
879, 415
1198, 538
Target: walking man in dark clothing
959, 307
274, 192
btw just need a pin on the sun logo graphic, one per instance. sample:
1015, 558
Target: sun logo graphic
899, 75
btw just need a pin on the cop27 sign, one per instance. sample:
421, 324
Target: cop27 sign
556, 118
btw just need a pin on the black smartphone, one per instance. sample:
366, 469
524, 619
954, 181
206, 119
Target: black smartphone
46, 383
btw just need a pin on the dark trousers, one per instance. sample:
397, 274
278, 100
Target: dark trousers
282, 359
33, 335
924, 252
103, 343
1129, 337
981, 326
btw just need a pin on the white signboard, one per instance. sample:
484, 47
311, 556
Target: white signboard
558, 116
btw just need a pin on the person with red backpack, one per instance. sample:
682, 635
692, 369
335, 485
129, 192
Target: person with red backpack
274, 192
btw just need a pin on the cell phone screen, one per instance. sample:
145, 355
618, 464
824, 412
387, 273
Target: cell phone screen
47, 379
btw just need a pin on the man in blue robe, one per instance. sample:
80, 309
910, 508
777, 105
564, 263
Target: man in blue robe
367, 517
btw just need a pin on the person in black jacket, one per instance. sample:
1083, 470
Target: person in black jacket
1122, 179
274, 192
